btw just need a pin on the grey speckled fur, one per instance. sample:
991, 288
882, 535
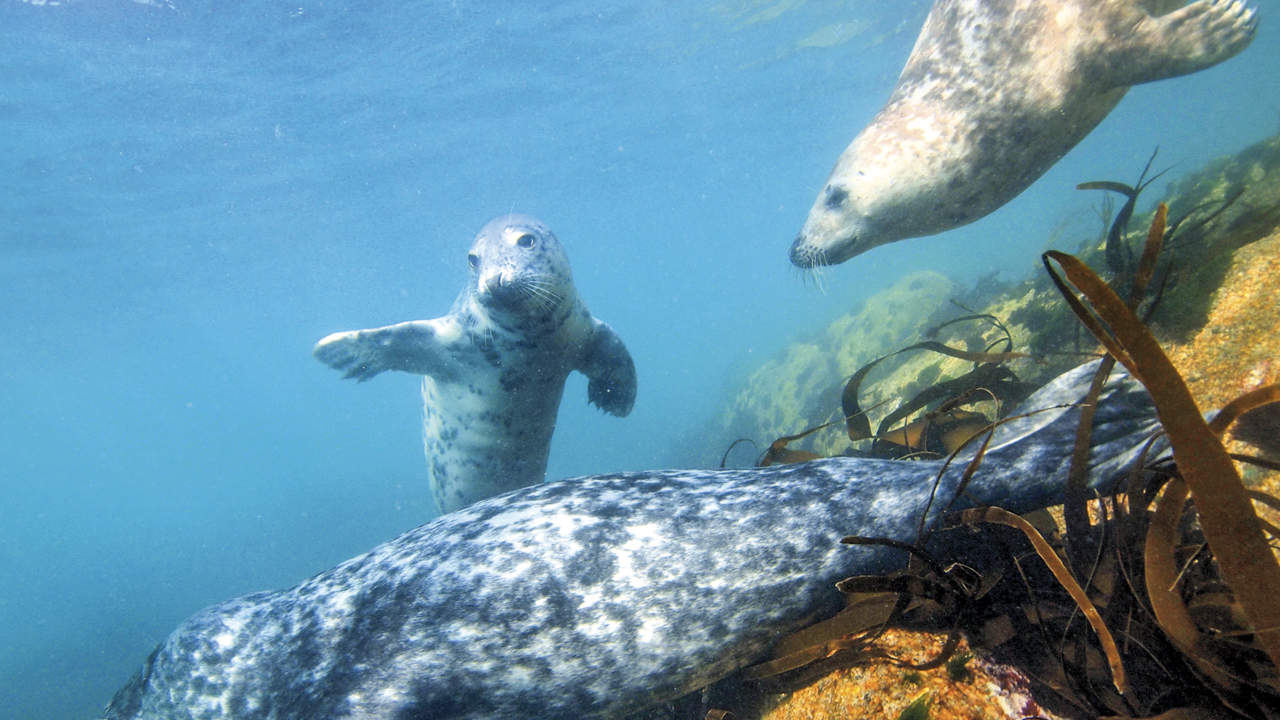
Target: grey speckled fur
494, 368
595, 596
993, 94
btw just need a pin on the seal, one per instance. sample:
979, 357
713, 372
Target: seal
494, 368
993, 94
599, 596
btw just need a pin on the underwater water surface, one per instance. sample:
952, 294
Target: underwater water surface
192, 193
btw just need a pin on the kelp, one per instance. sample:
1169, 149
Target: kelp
1177, 582
1119, 255
1225, 513
936, 432
988, 372
873, 603
1063, 575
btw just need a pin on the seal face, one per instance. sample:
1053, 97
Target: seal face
494, 368
597, 597
993, 94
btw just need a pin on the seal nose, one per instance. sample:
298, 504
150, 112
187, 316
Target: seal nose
493, 284
498, 291
801, 254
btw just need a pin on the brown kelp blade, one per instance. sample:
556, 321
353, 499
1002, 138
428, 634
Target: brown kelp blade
779, 454
1161, 571
1252, 400
941, 433
1064, 577
1117, 252
1260, 427
725, 457
859, 426
1227, 517
1074, 512
1150, 254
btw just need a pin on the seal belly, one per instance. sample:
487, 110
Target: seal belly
481, 439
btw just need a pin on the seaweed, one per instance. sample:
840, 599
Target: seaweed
1119, 255
937, 432
1225, 513
918, 708
1176, 579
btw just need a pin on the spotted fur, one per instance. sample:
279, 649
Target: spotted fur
494, 368
993, 94
597, 596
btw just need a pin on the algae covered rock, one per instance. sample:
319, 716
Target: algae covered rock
801, 387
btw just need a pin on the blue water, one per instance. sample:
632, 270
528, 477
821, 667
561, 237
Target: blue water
191, 196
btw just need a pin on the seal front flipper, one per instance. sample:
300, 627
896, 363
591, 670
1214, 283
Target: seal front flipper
1189, 39
414, 347
610, 371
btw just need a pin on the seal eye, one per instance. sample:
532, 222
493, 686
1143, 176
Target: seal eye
525, 241
836, 197
473, 260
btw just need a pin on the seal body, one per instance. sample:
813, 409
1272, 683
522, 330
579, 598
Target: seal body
993, 94
598, 596
494, 368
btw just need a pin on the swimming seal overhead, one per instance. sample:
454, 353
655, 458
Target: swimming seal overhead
994, 93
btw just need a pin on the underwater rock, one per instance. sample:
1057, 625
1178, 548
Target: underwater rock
1238, 348
801, 387
882, 690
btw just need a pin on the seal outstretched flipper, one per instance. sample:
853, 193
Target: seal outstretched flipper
1186, 40
610, 371
416, 347
493, 369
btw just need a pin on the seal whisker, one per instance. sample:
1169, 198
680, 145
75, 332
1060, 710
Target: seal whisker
542, 291
819, 271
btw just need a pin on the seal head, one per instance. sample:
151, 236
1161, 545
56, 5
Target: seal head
520, 269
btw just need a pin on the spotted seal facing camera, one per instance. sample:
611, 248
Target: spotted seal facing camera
494, 368
601, 596
993, 94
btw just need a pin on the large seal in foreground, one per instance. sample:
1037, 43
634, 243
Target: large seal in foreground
994, 93
594, 597
494, 368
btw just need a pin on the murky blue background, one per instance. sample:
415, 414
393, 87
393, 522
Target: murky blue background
191, 196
